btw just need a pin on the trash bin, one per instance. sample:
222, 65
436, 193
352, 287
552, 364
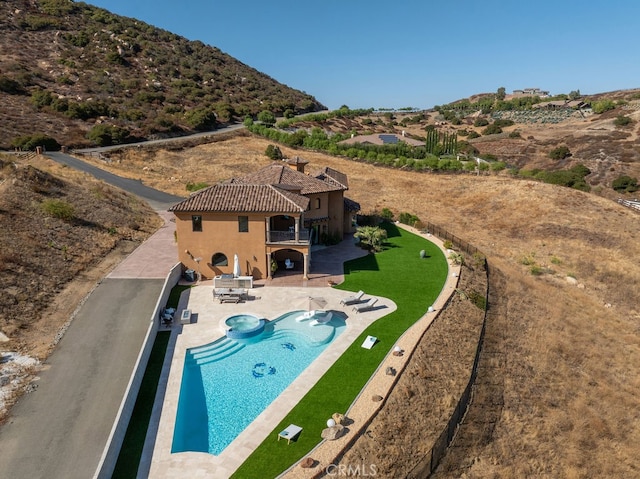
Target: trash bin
190, 275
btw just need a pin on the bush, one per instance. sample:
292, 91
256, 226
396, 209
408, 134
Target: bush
105, 135
492, 129
480, 122
625, 184
622, 120
386, 214
30, 142
273, 152
408, 219
196, 186
560, 153
58, 209
11, 86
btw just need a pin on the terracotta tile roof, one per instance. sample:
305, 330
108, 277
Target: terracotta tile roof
351, 205
286, 177
334, 177
234, 197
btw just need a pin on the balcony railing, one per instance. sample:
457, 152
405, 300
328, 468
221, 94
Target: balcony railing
288, 237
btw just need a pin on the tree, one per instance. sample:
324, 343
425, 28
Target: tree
371, 236
105, 135
273, 152
267, 118
501, 93
574, 95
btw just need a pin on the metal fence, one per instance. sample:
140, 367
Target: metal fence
430, 461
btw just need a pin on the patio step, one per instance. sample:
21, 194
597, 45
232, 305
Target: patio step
214, 352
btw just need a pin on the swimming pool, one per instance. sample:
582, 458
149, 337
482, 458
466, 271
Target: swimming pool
228, 383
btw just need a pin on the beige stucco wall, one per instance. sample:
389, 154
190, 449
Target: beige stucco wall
220, 235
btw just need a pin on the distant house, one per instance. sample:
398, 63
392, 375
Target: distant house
531, 92
266, 217
381, 139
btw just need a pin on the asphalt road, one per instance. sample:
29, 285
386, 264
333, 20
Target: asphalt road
158, 200
60, 429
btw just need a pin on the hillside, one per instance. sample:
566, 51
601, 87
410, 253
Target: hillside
595, 140
66, 67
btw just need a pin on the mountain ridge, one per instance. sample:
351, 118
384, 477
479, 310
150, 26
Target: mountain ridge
67, 67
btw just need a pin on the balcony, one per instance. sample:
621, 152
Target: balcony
288, 237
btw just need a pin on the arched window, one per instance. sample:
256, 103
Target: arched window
219, 259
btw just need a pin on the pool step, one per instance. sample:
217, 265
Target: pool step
214, 352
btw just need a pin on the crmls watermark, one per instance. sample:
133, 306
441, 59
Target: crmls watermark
351, 470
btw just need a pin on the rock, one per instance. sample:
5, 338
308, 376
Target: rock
332, 433
572, 280
338, 418
307, 462
376, 398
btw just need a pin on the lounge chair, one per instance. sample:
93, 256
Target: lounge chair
288, 264
291, 432
306, 315
368, 306
321, 317
353, 299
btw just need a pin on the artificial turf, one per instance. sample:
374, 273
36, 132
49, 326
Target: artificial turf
399, 273
133, 444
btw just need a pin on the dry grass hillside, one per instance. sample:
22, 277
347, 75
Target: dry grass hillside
557, 393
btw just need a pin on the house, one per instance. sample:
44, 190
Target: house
274, 214
382, 139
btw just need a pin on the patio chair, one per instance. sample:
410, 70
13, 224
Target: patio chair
353, 299
368, 306
288, 264
291, 432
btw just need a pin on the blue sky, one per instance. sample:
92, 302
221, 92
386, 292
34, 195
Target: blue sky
414, 53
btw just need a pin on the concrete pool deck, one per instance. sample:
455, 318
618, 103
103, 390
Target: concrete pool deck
271, 301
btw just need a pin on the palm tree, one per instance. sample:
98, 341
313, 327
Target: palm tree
371, 236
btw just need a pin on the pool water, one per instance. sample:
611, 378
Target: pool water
228, 383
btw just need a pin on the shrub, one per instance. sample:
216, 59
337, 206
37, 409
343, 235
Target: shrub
273, 152
625, 184
560, 153
11, 86
480, 122
105, 135
478, 299
622, 120
58, 209
196, 186
408, 219
386, 214
30, 142
492, 129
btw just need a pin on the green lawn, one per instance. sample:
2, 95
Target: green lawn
131, 451
397, 273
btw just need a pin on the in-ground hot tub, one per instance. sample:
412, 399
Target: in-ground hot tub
242, 326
